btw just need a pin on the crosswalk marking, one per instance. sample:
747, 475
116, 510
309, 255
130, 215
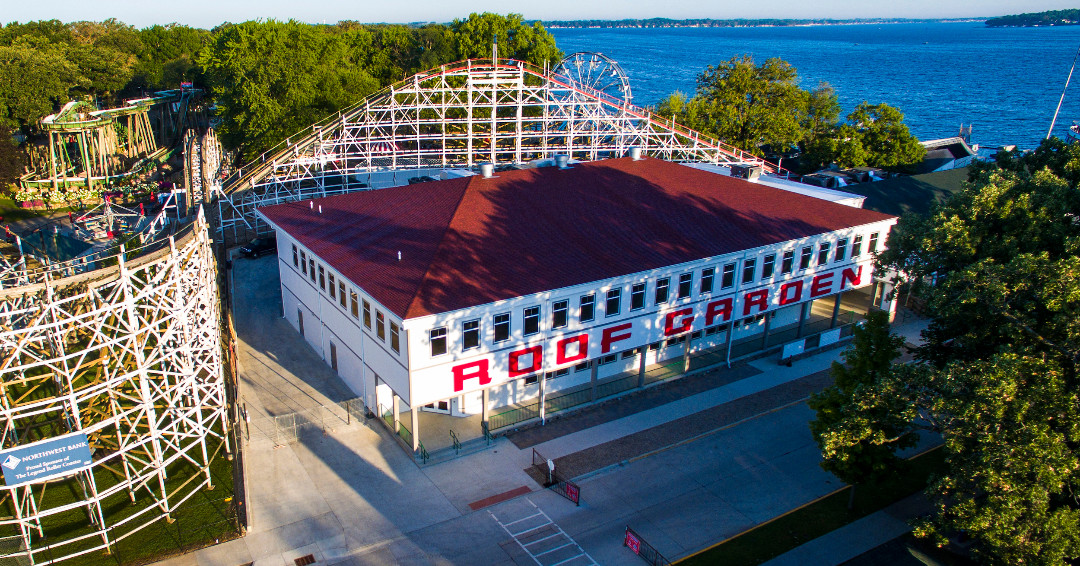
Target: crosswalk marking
551, 542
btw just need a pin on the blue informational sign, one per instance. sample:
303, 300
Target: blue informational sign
58, 456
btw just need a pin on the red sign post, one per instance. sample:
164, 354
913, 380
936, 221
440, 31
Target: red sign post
632, 542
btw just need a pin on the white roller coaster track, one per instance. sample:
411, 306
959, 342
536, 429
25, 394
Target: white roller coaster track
459, 115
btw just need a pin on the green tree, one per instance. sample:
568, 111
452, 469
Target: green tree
1011, 428
32, 82
272, 79
517, 40
12, 158
859, 424
876, 136
998, 372
749, 105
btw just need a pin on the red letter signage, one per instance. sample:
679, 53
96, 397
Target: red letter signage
609, 337
515, 360
759, 298
687, 321
852, 276
790, 292
721, 308
582, 341
477, 369
821, 285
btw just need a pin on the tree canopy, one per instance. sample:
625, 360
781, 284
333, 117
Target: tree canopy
755, 107
997, 376
268, 79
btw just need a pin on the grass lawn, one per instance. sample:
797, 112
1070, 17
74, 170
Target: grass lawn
825, 515
12, 212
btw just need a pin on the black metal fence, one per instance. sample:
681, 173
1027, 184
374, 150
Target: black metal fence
553, 480
646, 551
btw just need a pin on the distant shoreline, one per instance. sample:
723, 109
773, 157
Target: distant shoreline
710, 23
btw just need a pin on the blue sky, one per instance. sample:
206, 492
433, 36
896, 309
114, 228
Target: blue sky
208, 13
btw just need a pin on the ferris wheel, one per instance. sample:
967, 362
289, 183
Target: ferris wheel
595, 71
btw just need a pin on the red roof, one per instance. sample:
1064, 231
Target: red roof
470, 241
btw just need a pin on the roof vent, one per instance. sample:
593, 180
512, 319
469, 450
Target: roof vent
561, 161
487, 170
635, 153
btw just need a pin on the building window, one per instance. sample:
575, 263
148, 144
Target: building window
501, 323
588, 308
332, 286
685, 281
609, 359
380, 325
707, 280
841, 250
437, 337
748, 268
823, 253
470, 334
322, 278
629, 354
355, 303
367, 315
807, 254
856, 247
560, 313
767, 266
395, 338
662, 290
531, 379
303, 262
532, 321
637, 296
787, 264
727, 279
613, 304
583, 366
872, 245
311, 269
295, 257
341, 293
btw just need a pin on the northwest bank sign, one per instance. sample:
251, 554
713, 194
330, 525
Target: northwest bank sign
463, 376
57, 456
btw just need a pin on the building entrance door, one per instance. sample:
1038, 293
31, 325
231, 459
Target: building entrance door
300, 321
333, 357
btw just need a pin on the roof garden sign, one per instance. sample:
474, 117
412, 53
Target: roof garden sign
54, 457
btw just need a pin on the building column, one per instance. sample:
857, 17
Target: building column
803, 316
686, 352
592, 379
765, 335
397, 416
543, 398
889, 289
730, 339
485, 399
415, 429
836, 309
641, 366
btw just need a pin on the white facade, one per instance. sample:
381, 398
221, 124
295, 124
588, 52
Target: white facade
399, 359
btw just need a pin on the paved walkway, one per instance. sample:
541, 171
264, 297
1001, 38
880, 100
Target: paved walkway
856, 538
695, 469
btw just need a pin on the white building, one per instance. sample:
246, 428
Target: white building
479, 292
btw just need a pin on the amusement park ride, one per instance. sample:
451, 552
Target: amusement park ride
124, 344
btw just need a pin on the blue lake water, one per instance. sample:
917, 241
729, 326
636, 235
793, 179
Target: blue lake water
1005, 82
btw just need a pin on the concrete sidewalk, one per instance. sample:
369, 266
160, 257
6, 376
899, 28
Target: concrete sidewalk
351, 495
858, 537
